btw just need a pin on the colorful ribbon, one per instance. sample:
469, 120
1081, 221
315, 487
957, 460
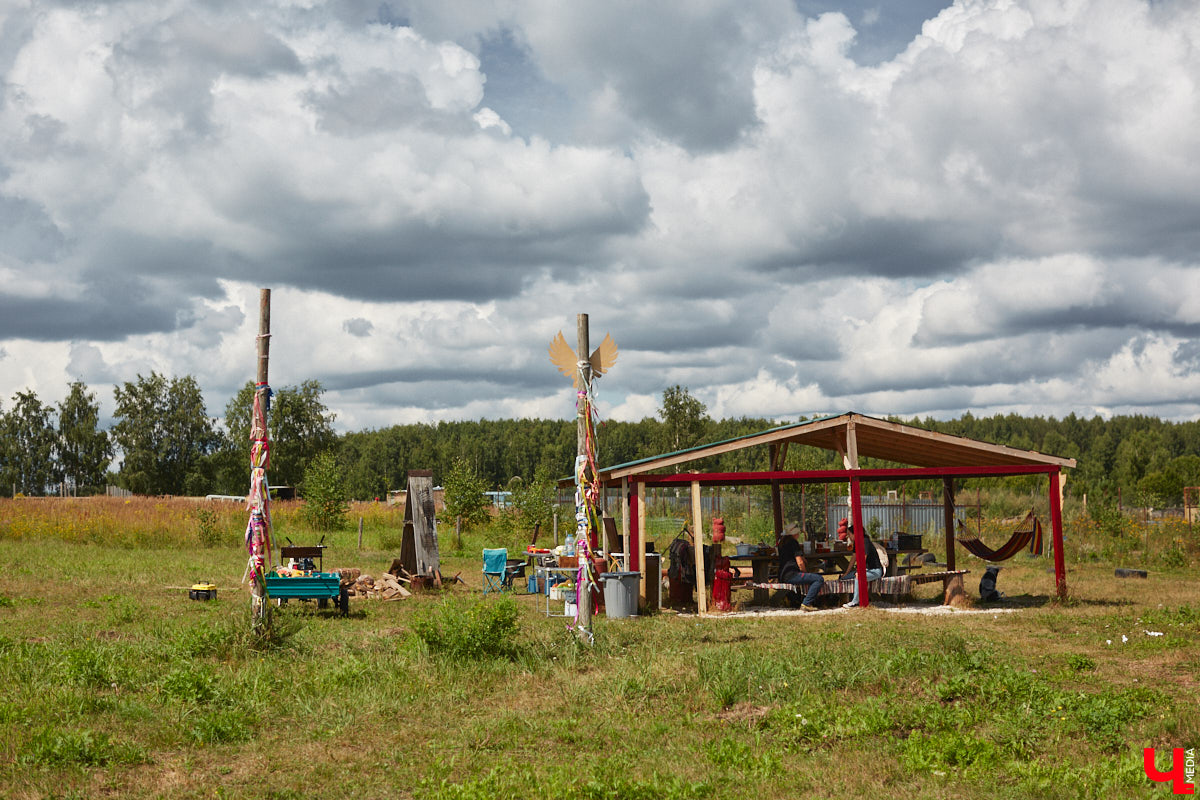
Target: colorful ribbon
258, 499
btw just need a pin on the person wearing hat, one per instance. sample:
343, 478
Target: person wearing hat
794, 570
874, 565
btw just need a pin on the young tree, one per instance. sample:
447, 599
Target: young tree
29, 436
84, 452
685, 419
164, 432
534, 499
325, 503
464, 495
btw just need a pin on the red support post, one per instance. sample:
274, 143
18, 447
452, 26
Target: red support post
632, 549
1060, 566
860, 540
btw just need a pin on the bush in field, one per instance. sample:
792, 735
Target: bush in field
1111, 521
325, 501
534, 500
464, 496
476, 631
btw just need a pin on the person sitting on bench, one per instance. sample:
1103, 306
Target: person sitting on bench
794, 570
874, 565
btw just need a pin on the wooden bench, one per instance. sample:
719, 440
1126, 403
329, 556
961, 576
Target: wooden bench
897, 586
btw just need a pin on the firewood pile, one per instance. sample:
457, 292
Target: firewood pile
396, 584
385, 587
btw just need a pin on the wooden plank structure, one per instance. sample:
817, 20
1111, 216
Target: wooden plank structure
923, 455
419, 547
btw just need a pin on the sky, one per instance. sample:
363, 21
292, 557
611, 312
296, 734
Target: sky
790, 207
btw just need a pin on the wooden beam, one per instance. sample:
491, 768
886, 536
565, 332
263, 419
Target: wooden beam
625, 501
698, 546
634, 562
861, 542
776, 499
850, 457
948, 517
1060, 565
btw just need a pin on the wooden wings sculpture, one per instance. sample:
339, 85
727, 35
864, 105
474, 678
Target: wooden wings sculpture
601, 360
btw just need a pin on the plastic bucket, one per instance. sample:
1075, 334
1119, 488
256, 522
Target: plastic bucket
620, 594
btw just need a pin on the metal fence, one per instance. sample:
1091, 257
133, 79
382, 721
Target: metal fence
885, 515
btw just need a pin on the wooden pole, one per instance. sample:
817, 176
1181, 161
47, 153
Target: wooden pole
360, 521
634, 560
260, 543
776, 500
583, 351
861, 543
698, 546
1060, 565
264, 334
625, 500
948, 518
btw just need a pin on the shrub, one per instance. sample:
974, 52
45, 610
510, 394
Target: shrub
216, 727
476, 631
208, 527
53, 747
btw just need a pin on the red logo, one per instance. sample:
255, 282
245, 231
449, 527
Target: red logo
1183, 767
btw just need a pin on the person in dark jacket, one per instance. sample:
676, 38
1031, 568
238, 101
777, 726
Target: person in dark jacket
794, 570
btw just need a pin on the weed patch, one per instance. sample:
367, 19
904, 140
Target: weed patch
474, 630
53, 747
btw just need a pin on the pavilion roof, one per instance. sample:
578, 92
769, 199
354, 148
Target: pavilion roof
856, 435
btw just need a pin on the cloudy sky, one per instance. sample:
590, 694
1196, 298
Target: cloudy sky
788, 206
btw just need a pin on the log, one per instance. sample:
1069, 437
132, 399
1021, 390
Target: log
955, 594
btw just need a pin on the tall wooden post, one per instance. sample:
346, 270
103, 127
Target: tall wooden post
861, 543
698, 547
635, 560
776, 499
1060, 567
583, 591
625, 500
264, 335
948, 517
259, 498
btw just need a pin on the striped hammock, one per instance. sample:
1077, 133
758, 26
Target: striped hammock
1029, 532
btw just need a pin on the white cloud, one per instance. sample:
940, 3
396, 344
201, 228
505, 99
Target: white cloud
1001, 216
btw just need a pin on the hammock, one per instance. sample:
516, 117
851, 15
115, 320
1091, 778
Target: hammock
1029, 532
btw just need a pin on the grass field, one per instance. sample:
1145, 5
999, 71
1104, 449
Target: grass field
115, 684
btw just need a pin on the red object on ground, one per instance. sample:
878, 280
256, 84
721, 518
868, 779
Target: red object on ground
722, 582
718, 528
720, 592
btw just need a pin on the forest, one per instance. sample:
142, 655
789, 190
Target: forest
163, 442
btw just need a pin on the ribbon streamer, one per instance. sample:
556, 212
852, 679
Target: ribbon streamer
258, 499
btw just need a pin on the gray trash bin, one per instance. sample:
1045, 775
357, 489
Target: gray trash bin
620, 593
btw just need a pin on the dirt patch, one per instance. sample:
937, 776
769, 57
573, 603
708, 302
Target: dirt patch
885, 607
744, 713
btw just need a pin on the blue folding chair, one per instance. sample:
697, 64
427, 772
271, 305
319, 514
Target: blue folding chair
496, 569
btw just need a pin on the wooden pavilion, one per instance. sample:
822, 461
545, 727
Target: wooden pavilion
925, 455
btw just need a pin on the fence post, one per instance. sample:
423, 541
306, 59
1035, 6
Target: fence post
360, 521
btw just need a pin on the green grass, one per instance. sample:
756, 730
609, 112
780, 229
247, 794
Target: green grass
115, 683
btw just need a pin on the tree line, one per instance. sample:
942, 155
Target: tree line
164, 442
